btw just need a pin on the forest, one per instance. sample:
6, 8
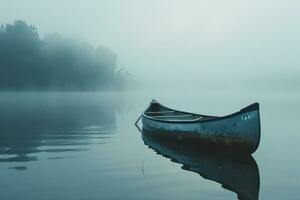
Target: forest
56, 63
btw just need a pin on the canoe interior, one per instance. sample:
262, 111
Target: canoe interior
158, 111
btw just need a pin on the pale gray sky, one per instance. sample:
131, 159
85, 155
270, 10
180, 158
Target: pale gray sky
173, 41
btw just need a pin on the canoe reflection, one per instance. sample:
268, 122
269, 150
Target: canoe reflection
237, 173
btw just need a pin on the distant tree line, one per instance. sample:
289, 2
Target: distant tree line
28, 62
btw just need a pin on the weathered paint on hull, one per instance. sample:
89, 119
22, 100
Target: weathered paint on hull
237, 131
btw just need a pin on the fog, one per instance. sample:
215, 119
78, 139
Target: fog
53, 63
172, 43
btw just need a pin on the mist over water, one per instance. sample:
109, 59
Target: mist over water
85, 145
205, 44
75, 76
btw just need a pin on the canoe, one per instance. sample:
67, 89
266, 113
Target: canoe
235, 172
238, 131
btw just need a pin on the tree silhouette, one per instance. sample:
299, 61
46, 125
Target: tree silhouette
28, 62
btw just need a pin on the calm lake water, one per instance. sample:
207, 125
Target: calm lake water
85, 146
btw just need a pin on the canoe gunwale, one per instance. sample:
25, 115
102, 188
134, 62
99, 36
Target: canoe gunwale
250, 108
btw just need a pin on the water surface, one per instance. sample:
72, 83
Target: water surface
85, 146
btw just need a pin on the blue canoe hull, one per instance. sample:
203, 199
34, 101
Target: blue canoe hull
240, 130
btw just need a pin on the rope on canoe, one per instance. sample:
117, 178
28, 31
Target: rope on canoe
136, 123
